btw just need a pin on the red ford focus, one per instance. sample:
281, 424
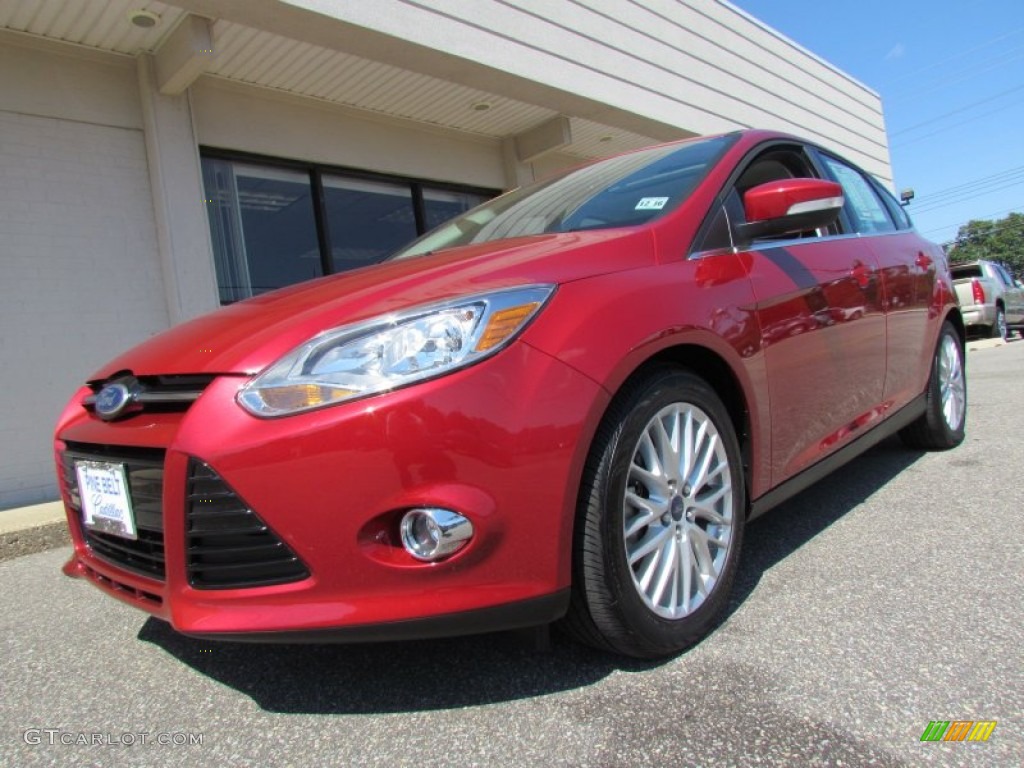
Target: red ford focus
563, 405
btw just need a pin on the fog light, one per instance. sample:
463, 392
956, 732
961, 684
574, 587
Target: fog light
431, 534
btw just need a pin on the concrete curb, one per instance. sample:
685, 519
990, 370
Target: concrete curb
32, 529
985, 344
31, 540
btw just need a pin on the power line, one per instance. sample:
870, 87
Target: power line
987, 216
958, 110
942, 81
943, 129
972, 183
968, 198
954, 57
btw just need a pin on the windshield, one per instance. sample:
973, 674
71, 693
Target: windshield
619, 192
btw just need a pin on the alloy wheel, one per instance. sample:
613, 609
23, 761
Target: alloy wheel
678, 515
952, 384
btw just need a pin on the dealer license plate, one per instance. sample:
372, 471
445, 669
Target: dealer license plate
106, 503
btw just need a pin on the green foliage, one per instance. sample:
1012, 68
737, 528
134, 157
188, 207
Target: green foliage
1001, 240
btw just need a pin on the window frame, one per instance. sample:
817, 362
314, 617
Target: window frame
724, 206
872, 186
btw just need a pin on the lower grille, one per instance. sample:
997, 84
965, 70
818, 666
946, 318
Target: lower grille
144, 469
227, 545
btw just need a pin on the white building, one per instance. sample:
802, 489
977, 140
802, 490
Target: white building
160, 158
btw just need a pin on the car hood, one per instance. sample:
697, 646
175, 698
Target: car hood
246, 337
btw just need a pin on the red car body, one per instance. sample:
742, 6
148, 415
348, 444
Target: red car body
812, 342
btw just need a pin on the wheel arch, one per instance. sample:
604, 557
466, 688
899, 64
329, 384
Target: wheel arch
720, 376
957, 321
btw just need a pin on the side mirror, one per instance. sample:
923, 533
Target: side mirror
788, 206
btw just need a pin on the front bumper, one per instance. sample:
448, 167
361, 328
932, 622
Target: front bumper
502, 442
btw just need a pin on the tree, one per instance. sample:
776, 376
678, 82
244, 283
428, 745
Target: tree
1001, 240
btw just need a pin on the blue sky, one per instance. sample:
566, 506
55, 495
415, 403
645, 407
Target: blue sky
951, 77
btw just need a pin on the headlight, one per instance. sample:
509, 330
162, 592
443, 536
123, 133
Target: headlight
389, 352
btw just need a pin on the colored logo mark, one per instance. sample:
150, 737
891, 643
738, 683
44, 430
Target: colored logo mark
958, 730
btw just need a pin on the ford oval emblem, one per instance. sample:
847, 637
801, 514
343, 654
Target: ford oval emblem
113, 399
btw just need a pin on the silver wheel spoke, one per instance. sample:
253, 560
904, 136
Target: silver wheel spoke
702, 552
666, 571
652, 541
649, 512
686, 565
706, 456
648, 479
707, 503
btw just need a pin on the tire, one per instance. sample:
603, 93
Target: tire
942, 425
660, 513
999, 329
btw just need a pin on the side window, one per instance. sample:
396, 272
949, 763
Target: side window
1001, 274
897, 211
866, 210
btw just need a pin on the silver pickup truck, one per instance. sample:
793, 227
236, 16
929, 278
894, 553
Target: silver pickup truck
991, 301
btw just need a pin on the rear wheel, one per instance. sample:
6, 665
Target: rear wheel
942, 424
660, 519
999, 329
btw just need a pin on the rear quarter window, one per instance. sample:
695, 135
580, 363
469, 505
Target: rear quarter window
970, 270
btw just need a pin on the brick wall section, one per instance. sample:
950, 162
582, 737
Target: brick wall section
79, 277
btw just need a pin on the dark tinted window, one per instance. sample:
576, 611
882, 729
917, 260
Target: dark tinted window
266, 235
262, 227
367, 220
440, 205
965, 270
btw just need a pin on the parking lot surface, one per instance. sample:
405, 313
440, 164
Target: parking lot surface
886, 597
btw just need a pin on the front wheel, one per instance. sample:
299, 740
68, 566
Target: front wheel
660, 519
941, 426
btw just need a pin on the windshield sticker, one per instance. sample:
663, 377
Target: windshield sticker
651, 204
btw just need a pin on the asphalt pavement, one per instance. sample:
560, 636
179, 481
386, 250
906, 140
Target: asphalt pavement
885, 597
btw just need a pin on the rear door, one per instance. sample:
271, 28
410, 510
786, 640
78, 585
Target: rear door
907, 266
1013, 297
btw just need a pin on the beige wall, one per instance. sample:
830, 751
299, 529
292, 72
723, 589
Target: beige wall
286, 126
78, 257
697, 65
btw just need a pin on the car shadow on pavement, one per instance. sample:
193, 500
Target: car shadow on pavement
486, 669
786, 528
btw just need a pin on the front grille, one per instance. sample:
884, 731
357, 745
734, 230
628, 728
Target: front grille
227, 545
163, 394
144, 468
